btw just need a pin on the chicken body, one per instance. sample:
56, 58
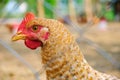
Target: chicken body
62, 56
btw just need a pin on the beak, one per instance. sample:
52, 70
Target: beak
18, 36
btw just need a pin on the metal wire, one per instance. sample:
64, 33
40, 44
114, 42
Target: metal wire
20, 58
77, 29
81, 31
101, 52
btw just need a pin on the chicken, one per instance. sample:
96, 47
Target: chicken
12, 27
60, 52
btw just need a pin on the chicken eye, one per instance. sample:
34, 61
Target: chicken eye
34, 28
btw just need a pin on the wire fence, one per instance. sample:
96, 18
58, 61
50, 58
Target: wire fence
73, 26
76, 28
20, 58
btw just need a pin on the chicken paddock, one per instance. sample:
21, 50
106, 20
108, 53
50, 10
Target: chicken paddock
11, 68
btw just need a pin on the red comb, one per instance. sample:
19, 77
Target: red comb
28, 17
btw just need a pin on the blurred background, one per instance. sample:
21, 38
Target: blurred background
94, 23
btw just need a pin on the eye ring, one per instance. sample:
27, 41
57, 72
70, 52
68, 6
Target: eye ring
35, 28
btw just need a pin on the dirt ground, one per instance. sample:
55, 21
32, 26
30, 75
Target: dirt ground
109, 40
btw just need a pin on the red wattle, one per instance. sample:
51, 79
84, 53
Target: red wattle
32, 44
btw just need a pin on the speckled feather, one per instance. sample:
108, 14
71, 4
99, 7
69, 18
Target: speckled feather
63, 57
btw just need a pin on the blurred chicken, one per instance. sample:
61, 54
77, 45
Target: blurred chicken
12, 27
60, 52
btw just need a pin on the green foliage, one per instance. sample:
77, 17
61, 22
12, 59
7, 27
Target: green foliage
79, 1
2, 5
64, 2
109, 15
49, 13
32, 6
4, 1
